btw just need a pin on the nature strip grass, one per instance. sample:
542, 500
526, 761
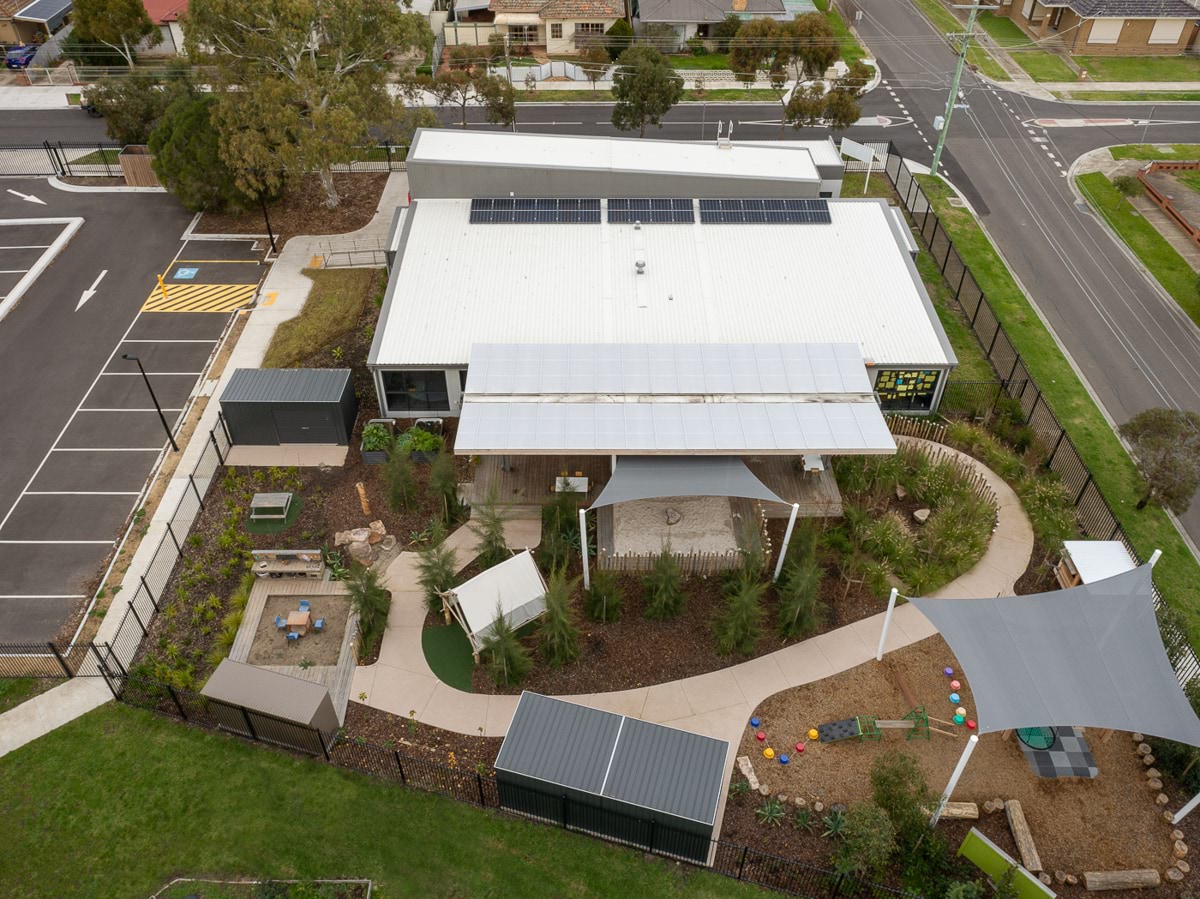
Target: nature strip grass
947, 23
1177, 573
333, 306
1038, 64
711, 95
852, 50
1131, 96
139, 799
1156, 151
1162, 259
1140, 68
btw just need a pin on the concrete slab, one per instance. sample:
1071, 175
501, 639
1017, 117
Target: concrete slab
803, 663
172, 391
34, 619
625, 702
400, 692
453, 710
715, 690
722, 724
408, 610
173, 326
844, 648
95, 471
113, 430
363, 682
500, 711
67, 517
51, 709
287, 456
178, 358
665, 702
759, 678
399, 652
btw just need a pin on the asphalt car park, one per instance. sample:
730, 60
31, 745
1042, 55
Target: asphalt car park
81, 433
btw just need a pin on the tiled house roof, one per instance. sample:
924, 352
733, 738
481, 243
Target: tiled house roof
1134, 9
582, 9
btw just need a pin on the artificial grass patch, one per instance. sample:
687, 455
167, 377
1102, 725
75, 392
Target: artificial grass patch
276, 525
448, 652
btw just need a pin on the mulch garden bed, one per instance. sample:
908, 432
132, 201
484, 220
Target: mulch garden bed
422, 740
1079, 825
302, 209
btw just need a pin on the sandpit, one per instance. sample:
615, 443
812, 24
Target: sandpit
705, 525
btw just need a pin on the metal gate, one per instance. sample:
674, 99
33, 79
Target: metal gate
60, 158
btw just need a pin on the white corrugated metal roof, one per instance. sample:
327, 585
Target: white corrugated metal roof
647, 369
1096, 560
458, 284
786, 162
646, 428
822, 152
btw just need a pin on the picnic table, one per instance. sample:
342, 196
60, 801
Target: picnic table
270, 506
298, 622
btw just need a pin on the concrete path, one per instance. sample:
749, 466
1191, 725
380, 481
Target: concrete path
718, 703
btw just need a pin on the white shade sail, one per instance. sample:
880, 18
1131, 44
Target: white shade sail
516, 585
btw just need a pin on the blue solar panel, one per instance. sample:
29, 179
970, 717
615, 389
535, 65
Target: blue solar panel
534, 210
755, 211
651, 211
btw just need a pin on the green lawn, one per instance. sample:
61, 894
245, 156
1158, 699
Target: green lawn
1038, 64
98, 157
16, 690
1190, 180
852, 50
707, 61
1177, 574
117, 802
1153, 151
1162, 259
947, 23
725, 94
1140, 68
448, 652
333, 306
1132, 96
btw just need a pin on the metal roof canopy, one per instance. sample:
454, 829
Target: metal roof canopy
286, 385
43, 11
1089, 656
653, 477
1098, 559
624, 759
662, 369
272, 693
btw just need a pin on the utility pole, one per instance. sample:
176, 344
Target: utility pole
962, 59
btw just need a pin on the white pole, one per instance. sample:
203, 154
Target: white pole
1186, 810
867, 180
958, 770
887, 620
787, 538
587, 579
1155, 556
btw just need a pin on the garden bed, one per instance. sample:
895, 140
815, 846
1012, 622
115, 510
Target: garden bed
411, 737
1079, 825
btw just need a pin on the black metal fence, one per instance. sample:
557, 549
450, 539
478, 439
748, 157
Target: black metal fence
477, 788
60, 158
1092, 511
86, 659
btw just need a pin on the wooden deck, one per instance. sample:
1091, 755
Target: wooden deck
528, 481
817, 494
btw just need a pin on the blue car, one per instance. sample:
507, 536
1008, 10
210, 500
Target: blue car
20, 57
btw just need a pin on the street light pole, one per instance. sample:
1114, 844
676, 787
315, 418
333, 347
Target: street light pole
962, 59
166, 427
270, 235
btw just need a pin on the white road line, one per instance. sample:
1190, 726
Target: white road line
1057, 163
165, 409
147, 340
43, 596
102, 449
81, 493
135, 374
56, 542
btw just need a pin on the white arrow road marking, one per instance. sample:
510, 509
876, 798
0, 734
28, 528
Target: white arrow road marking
28, 198
91, 291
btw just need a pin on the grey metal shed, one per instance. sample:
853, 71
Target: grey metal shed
272, 707
621, 778
273, 406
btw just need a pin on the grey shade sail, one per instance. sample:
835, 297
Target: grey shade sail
654, 477
1090, 656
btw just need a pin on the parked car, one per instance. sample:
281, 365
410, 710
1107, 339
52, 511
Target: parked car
20, 57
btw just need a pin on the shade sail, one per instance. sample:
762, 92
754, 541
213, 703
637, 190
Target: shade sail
1090, 656
652, 477
515, 584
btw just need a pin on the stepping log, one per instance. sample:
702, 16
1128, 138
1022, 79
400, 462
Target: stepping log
1121, 880
1022, 836
964, 810
1182, 865
1174, 875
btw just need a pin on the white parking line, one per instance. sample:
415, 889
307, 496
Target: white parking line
136, 374
43, 595
13, 271
32, 246
71, 225
83, 493
55, 542
90, 409
149, 340
101, 449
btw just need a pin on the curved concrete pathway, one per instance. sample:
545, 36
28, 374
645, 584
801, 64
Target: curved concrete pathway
718, 703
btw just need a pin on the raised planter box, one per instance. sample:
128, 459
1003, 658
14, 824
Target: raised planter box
377, 457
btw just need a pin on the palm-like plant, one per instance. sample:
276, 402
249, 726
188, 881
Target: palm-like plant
437, 568
509, 659
559, 633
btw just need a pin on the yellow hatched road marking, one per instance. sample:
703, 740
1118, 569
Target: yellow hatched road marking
200, 298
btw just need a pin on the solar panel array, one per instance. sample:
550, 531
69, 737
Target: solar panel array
775, 212
651, 211
534, 210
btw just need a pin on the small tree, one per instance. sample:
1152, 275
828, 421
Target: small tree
508, 658
756, 46
187, 157
800, 610
499, 99
723, 32
371, 600
595, 62
1166, 447
604, 597
132, 106
805, 106
400, 478
559, 632
437, 568
487, 521
443, 484
840, 110
1128, 187
560, 528
618, 38
664, 587
815, 45
645, 87
739, 626
454, 87
119, 24
898, 787
868, 841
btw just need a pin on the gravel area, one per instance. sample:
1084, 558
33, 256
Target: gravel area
270, 647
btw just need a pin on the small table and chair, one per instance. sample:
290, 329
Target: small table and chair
298, 622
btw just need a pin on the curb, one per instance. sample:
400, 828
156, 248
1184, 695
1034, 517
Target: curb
54, 182
73, 225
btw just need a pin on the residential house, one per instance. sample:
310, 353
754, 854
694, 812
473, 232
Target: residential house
10, 31
1108, 27
32, 22
167, 17
694, 18
561, 26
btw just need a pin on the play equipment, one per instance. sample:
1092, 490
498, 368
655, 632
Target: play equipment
1039, 738
812, 733
949, 672
769, 753
954, 685
869, 727
955, 698
784, 758
760, 736
800, 748
754, 722
961, 711
971, 725
960, 719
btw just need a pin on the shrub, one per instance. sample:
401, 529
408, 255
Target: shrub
664, 587
619, 36
771, 812
443, 484
371, 600
834, 823
898, 787
560, 529
187, 157
559, 633
868, 841
604, 597
800, 610
509, 660
437, 568
400, 479
418, 440
968, 889
487, 521
376, 438
739, 626
1050, 511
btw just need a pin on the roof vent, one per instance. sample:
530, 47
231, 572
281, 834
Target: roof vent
639, 249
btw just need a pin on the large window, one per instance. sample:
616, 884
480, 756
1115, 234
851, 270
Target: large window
589, 28
523, 34
1167, 31
901, 390
556, 30
415, 391
1105, 31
